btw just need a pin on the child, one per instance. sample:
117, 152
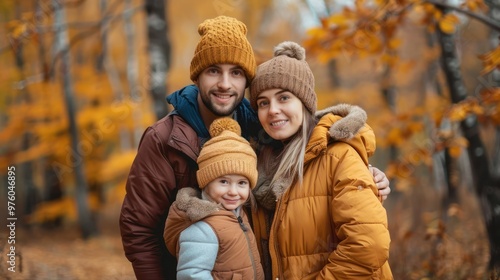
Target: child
209, 233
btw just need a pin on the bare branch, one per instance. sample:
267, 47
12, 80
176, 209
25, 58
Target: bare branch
486, 20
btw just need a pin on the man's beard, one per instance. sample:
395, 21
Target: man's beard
205, 98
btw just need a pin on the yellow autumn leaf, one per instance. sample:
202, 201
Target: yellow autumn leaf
37, 151
455, 151
490, 95
458, 112
10, 25
51, 129
491, 60
471, 5
12, 129
395, 137
475, 5
118, 191
338, 20
117, 166
477, 109
315, 33
61, 208
394, 43
52, 210
448, 23
147, 118
19, 30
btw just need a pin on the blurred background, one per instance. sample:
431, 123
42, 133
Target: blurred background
80, 80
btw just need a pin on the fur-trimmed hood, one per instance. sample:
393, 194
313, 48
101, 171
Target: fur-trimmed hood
353, 119
189, 201
346, 123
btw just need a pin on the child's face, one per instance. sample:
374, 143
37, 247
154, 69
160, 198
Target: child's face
229, 190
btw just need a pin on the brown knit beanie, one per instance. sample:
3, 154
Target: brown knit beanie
226, 153
223, 40
287, 70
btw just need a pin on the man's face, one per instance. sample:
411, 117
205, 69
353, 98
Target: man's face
222, 87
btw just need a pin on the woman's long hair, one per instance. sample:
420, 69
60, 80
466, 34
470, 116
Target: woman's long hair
291, 159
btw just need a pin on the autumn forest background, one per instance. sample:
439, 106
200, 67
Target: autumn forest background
80, 80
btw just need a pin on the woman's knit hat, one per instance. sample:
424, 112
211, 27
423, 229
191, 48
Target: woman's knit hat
223, 40
226, 153
287, 70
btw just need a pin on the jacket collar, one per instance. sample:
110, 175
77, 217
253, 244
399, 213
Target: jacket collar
186, 105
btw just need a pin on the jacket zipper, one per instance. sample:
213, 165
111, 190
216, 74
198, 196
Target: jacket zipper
273, 229
245, 232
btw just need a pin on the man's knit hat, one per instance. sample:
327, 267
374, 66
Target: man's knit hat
287, 70
223, 40
226, 153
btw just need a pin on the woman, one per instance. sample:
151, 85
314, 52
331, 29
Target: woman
318, 215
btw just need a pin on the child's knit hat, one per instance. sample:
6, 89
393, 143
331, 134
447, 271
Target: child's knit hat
223, 41
226, 153
287, 70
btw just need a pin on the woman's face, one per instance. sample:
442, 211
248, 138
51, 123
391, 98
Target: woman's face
280, 113
230, 190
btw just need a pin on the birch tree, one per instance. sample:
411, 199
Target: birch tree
159, 54
61, 49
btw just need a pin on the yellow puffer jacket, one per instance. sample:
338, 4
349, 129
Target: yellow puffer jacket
332, 226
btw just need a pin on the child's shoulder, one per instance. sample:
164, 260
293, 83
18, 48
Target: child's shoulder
199, 232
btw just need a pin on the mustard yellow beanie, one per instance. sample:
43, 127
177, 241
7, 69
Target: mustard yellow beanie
226, 153
287, 70
223, 40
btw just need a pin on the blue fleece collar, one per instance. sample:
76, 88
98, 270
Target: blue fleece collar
186, 105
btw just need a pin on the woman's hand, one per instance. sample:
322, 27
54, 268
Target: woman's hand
382, 182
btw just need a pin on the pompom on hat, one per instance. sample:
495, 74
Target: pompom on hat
287, 70
223, 41
226, 153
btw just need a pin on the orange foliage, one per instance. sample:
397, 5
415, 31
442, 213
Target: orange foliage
62, 208
448, 23
35, 120
117, 166
491, 60
371, 30
475, 5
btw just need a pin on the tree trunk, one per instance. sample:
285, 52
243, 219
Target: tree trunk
494, 80
488, 192
105, 63
159, 54
132, 68
61, 46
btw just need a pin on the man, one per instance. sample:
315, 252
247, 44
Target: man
221, 69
